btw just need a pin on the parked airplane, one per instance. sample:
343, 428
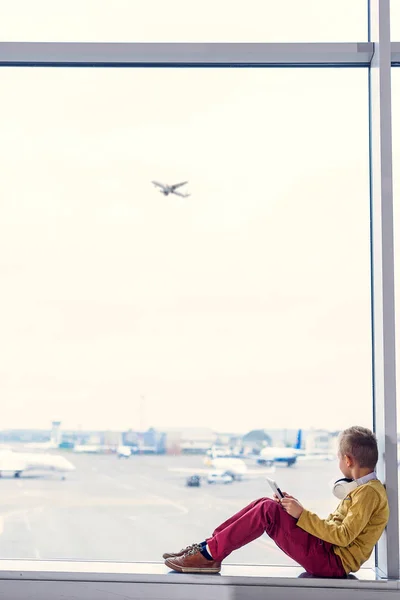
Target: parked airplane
281, 455
235, 467
219, 452
17, 463
170, 189
317, 447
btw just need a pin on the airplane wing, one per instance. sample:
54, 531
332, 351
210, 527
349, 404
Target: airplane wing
181, 195
176, 185
156, 183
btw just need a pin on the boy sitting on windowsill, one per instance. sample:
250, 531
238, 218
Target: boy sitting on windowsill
331, 547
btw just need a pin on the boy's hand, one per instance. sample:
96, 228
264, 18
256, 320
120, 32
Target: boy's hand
292, 506
277, 499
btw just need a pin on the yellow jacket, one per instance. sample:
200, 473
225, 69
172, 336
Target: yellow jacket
355, 526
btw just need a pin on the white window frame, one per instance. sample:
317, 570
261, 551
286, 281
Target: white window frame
84, 580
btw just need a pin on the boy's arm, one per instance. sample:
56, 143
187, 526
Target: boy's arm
364, 502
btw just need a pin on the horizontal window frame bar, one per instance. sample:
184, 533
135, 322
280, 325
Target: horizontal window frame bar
186, 65
172, 54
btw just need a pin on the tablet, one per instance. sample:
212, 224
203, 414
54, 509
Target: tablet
275, 488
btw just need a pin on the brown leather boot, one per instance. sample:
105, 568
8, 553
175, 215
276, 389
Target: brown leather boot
193, 562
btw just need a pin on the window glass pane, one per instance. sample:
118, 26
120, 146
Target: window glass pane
395, 20
396, 211
245, 306
183, 20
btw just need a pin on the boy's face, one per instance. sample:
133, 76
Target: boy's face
344, 465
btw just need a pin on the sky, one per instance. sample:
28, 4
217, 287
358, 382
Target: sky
247, 304
185, 20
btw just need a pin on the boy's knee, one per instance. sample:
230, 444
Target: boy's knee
265, 501
270, 502
269, 505
271, 515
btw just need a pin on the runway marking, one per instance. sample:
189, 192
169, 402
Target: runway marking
19, 513
183, 509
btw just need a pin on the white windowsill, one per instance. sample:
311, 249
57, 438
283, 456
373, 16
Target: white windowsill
116, 571
69, 580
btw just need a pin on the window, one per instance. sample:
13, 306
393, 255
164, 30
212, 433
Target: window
183, 21
396, 195
245, 306
396, 154
395, 21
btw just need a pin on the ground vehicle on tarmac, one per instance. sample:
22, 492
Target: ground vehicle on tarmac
193, 481
218, 476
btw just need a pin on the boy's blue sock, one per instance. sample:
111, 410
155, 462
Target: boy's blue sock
204, 552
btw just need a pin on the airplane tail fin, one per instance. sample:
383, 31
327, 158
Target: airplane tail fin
298, 440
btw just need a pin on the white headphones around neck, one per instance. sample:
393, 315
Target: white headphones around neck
343, 487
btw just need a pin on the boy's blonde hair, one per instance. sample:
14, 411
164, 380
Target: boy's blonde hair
360, 444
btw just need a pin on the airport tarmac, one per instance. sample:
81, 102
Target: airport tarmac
135, 509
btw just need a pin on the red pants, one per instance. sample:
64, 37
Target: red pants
267, 516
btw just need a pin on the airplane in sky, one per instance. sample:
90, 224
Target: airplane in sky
171, 189
18, 463
236, 467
